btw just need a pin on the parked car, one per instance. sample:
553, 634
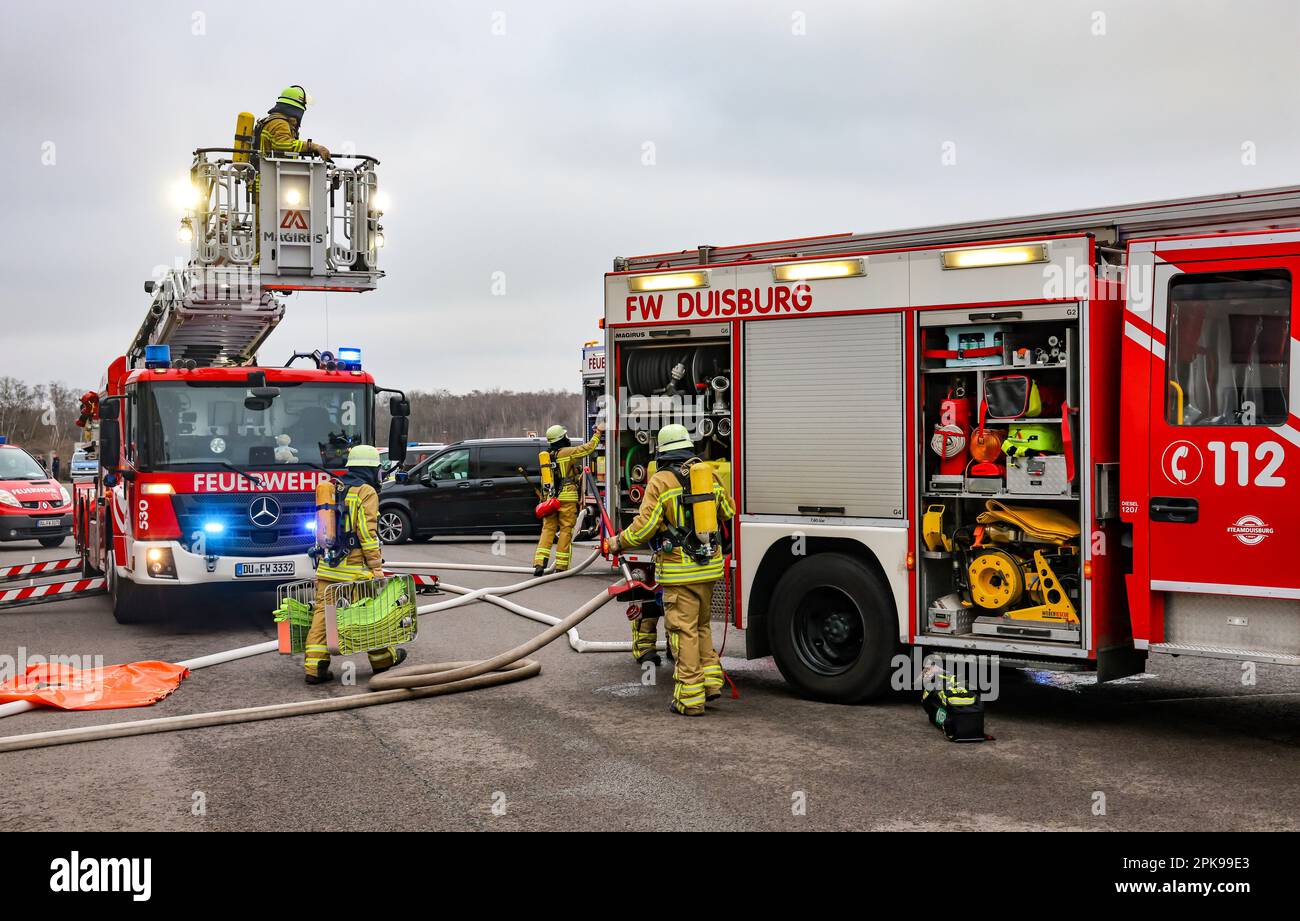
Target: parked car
32, 505
415, 455
470, 487
84, 466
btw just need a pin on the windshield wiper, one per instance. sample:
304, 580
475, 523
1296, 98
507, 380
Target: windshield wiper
255, 480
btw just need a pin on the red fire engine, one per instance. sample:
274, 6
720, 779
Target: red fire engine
209, 460
1068, 440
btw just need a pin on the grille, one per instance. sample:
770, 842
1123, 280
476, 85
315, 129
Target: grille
239, 536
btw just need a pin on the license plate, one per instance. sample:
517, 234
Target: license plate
253, 570
49, 522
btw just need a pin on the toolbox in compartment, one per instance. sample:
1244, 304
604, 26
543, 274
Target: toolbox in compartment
999, 555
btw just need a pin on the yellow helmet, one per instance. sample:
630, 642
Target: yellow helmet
556, 432
363, 456
674, 437
295, 97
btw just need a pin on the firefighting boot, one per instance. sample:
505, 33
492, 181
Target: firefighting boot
538, 570
324, 677
397, 660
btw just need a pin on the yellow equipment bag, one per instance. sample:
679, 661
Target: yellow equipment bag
704, 510
243, 137
1039, 523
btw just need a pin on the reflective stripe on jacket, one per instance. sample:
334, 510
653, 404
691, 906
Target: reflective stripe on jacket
662, 506
568, 460
277, 135
360, 516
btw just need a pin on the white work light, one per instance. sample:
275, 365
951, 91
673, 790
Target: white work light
668, 281
987, 256
812, 271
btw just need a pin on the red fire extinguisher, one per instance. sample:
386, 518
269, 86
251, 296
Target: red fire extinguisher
951, 437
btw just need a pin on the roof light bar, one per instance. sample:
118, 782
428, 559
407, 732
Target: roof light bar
826, 268
668, 281
984, 257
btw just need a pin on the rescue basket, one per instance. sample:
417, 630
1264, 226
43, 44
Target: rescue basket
293, 610
370, 614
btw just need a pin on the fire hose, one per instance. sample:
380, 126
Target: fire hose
406, 683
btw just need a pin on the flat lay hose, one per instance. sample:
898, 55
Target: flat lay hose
408, 683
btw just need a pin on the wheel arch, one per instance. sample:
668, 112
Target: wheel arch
778, 560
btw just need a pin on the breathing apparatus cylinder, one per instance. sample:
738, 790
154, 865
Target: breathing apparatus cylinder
327, 531
548, 475
243, 137
705, 510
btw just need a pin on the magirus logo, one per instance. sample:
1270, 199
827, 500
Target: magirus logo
1250, 530
103, 874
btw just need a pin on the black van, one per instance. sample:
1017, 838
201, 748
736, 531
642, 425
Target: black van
470, 487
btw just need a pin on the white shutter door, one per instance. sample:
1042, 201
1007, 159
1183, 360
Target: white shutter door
823, 416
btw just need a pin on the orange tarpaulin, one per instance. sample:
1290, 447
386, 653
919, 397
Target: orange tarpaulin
138, 684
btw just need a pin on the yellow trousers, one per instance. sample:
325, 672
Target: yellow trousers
557, 529
697, 675
317, 661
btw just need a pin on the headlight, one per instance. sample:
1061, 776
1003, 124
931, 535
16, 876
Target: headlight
67, 496
7, 498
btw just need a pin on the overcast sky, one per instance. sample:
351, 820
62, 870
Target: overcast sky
513, 139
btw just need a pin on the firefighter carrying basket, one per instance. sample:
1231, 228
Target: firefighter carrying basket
369, 615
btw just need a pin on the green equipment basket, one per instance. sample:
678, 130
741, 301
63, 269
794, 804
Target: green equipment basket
370, 615
293, 609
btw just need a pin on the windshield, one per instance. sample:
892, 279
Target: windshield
17, 464
197, 423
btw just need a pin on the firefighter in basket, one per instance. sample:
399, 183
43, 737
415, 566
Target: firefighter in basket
682, 518
561, 470
277, 131
355, 511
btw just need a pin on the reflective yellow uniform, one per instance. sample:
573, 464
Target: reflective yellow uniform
365, 561
560, 524
687, 589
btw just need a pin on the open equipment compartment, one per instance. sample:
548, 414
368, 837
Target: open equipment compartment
1001, 497
680, 374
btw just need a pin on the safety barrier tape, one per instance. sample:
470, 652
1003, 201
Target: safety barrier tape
42, 568
54, 591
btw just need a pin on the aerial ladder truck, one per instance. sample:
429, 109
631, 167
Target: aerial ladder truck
208, 458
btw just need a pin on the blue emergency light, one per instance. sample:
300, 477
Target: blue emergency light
157, 356
349, 359
214, 527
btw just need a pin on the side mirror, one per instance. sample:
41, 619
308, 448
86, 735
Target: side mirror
398, 430
399, 407
110, 435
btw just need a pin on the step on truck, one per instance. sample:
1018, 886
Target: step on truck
1066, 440
208, 458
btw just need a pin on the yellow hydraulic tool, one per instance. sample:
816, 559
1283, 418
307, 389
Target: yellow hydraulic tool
999, 581
932, 529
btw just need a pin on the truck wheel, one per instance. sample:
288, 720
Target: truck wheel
52, 541
394, 526
127, 608
832, 629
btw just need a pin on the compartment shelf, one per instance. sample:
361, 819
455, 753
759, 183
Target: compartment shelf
972, 368
1017, 497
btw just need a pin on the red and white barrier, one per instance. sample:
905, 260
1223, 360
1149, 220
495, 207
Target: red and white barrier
53, 591
43, 568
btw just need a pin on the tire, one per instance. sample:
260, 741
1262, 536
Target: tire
394, 526
127, 606
52, 541
832, 629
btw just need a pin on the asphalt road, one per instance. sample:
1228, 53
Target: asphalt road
586, 746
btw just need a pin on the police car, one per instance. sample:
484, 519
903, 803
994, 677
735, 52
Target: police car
32, 505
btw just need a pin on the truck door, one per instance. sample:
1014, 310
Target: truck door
1223, 462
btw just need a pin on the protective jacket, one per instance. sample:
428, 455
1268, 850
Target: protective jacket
358, 529
274, 133
661, 507
569, 461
